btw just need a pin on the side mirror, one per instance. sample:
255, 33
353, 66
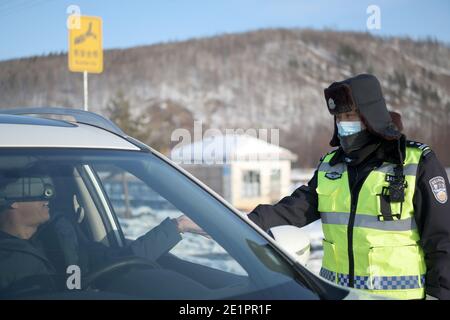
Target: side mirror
293, 240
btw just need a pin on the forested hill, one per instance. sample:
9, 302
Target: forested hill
261, 79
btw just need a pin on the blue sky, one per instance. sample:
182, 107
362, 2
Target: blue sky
35, 27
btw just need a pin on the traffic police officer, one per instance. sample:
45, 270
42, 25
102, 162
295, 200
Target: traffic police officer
382, 200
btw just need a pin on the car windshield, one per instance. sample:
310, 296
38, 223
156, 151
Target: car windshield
113, 228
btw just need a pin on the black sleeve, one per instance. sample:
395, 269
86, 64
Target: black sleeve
152, 245
158, 241
432, 213
298, 209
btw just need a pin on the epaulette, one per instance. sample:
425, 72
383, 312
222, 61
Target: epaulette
422, 146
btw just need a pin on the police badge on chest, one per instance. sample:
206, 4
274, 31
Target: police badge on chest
333, 175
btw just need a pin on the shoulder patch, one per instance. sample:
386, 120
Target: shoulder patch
439, 189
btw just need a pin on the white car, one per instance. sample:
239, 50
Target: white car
111, 233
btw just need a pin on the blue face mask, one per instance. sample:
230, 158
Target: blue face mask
346, 128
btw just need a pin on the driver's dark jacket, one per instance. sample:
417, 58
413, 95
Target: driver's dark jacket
432, 217
27, 265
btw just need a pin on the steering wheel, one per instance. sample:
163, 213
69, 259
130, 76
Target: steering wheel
115, 266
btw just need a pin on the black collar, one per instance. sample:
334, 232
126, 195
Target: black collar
385, 151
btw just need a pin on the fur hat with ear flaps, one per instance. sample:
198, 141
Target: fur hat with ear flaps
363, 92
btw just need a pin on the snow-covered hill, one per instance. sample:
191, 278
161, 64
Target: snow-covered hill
260, 79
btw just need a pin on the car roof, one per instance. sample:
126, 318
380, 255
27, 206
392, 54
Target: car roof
27, 131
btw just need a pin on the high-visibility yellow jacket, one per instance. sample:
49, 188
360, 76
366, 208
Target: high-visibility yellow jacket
362, 249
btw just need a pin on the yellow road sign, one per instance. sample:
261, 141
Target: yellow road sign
85, 46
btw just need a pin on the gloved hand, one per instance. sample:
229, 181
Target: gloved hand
428, 297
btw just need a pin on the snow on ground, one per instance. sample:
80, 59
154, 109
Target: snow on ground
198, 249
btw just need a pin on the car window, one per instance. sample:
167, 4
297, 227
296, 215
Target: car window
111, 217
139, 209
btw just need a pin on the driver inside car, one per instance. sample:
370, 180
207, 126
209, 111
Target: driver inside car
26, 261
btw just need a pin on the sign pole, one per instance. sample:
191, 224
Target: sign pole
85, 81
